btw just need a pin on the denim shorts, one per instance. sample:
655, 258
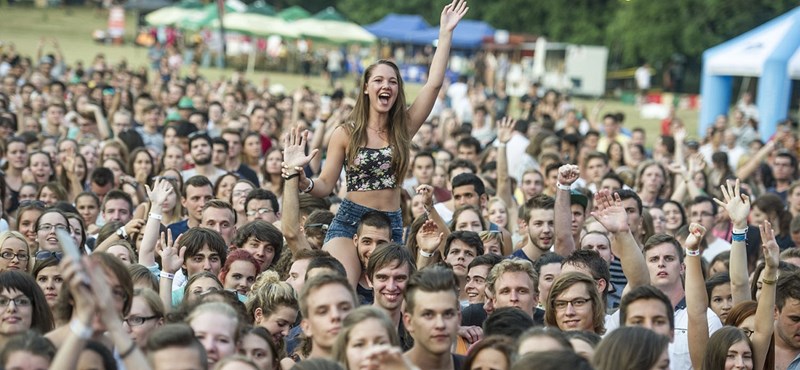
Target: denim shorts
345, 223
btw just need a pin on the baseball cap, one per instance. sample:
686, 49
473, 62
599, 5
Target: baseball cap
576, 197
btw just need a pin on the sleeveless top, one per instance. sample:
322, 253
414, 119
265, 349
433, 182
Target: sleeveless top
371, 170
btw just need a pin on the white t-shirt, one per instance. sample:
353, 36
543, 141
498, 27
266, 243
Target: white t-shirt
679, 347
715, 248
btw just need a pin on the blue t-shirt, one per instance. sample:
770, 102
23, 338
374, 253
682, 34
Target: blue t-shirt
178, 228
520, 254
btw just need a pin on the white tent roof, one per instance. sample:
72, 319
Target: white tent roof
745, 55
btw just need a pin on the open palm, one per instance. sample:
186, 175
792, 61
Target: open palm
611, 214
294, 149
737, 205
452, 13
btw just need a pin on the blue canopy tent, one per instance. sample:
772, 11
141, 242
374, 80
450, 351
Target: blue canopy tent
469, 34
770, 52
395, 27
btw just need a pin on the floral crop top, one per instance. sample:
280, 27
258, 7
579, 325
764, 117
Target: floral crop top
371, 170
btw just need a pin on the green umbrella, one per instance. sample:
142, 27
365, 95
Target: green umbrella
190, 4
330, 26
170, 15
206, 16
258, 25
293, 13
330, 14
260, 7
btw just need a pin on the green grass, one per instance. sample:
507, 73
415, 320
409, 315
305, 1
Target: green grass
25, 26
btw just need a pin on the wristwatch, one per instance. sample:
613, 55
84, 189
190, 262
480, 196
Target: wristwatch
122, 233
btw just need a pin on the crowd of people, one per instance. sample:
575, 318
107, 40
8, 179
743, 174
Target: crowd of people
222, 226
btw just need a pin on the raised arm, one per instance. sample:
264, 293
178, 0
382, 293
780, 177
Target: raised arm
294, 157
158, 196
421, 108
696, 297
614, 218
738, 207
290, 220
429, 240
565, 242
764, 324
505, 130
746, 170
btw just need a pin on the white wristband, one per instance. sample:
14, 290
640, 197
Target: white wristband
692, 253
563, 187
425, 254
310, 186
740, 231
156, 216
80, 330
167, 275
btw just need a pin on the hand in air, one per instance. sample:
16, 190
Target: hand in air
294, 150
736, 203
610, 212
451, 14
505, 129
770, 247
568, 174
696, 233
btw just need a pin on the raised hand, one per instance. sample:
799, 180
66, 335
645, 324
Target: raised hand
451, 14
134, 226
69, 167
171, 256
427, 192
568, 174
610, 213
770, 247
294, 150
429, 237
505, 129
736, 203
160, 192
696, 233
78, 282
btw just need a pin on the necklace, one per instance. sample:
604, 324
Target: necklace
378, 131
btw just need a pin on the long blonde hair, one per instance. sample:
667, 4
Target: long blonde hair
356, 124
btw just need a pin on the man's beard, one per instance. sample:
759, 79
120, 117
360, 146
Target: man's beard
202, 161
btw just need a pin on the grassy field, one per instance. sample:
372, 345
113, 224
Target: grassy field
25, 26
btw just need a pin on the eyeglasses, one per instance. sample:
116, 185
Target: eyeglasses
747, 332
260, 211
10, 256
241, 193
576, 303
48, 227
27, 203
43, 255
20, 301
138, 320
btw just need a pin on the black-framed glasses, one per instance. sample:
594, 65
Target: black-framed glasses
260, 211
576, 303
138, 320
21, 301
43, 255
747, 332
9, 255
48, 227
